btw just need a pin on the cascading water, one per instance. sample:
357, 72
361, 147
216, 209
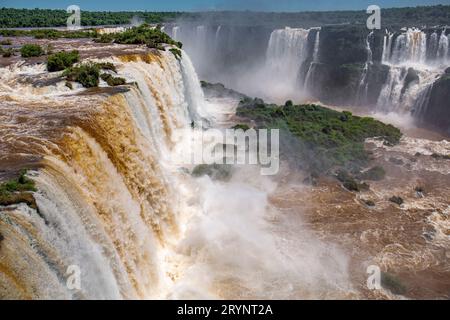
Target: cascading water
114, 201
361, 95
315, 59
286, 52
414, 61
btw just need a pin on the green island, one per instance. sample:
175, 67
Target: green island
326, 140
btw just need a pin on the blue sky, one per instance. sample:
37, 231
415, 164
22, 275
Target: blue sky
202, 5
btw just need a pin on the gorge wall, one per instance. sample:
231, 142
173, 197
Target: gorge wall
384, 71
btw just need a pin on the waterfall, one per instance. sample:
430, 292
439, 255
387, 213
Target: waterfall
361, 95
442, 53
410, 52
315, 59
387, 46
286, 52
409, 47
103, 194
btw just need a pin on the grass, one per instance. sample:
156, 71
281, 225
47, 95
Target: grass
329, 138
31, 50
62, 60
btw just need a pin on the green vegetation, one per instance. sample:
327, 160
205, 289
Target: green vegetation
6, 53
49, 33
87, 74
424, 15
144, 34
112, 81
17, 191
6, 42
107, 66
328, 138
176, 52
214, 171
31, 50
38, 18
62, 60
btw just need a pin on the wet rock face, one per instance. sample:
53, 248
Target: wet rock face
437, 115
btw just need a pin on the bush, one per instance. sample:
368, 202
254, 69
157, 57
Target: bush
113, 81
87, 74
62, 60
176, 52
144, 34
7, 53
6, 42
31, 50
107, 66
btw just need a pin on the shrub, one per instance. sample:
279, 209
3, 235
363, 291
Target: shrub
62, 60
31, 50
112, 81
144, 34
6, 42
176, 52
7, 53
107, 66
87, 74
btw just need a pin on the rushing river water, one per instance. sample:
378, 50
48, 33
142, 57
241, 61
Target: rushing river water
114, 201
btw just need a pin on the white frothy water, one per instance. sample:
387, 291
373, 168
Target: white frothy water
139, 226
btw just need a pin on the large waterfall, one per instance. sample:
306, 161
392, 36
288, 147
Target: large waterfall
114, 202
415, 61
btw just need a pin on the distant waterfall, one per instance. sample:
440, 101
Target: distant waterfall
442, 53
286, 52
415, 53
409, 47
387, 46
315, 59
361, 95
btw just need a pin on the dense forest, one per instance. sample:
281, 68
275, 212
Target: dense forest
40, 18
418, 16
